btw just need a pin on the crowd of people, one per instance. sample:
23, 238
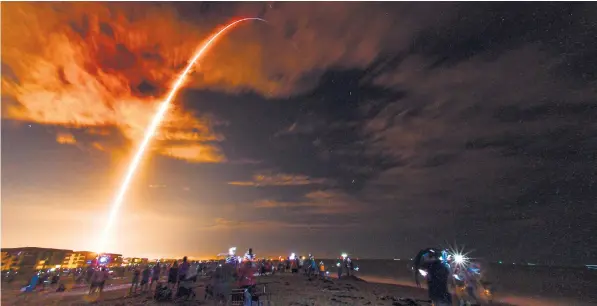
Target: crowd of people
441, 272
167, 280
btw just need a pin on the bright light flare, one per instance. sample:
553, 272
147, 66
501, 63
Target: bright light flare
150, 131
459, 258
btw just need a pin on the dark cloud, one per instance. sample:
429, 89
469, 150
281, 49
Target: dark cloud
477, 128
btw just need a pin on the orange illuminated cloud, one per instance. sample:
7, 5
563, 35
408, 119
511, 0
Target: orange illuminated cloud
83, 64
279, 179
197, 153
100, 65
66, 138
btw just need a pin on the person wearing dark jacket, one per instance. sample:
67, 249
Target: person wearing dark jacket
173, 274
155, 275
438, 274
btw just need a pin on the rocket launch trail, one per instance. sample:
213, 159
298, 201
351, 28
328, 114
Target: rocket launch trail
150, 131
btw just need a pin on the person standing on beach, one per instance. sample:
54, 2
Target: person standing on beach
287, 264
89, 274
347, 264
155, 275
94, 281
437, 281
173, 274
183, 270
145, 279
321, 269
135, 281
294, 266
106, 276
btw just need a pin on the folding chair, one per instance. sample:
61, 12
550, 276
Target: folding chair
237, 297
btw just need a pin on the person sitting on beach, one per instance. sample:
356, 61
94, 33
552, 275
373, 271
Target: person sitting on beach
437, 281
155, 275
173, 274
55, 280
135, 281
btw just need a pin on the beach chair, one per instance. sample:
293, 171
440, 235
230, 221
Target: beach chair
237, 297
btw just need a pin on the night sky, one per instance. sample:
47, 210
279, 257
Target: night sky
375, 129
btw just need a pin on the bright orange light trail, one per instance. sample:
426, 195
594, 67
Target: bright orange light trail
150, 131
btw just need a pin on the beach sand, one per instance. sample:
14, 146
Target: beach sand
284, 289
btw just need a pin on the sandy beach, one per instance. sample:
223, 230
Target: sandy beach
283, 289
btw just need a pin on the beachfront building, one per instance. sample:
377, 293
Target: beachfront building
138, 261
31, 258
78, 259
9, 261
